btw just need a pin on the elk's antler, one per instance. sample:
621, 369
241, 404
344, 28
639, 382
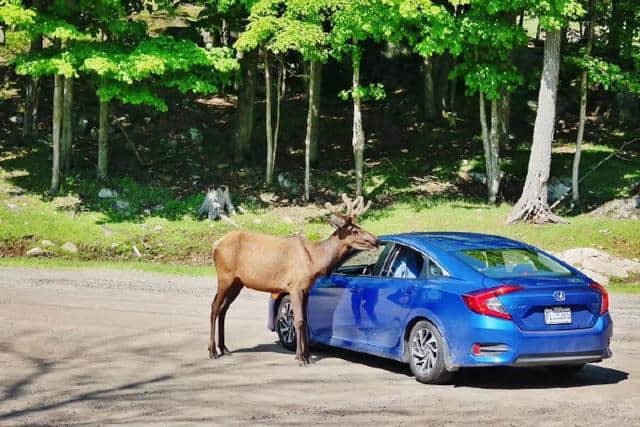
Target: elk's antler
354, 208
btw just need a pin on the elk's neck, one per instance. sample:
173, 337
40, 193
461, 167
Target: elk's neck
329, 253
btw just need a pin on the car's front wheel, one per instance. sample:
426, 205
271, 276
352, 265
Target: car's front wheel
427, 353
285, 325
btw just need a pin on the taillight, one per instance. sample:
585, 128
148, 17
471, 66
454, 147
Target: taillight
486, 301
604, 305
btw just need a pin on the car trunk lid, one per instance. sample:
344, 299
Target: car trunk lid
552, 303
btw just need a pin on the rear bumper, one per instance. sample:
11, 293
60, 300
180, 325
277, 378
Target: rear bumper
531, 348
559, 359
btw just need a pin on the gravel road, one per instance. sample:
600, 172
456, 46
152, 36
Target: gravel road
109, 347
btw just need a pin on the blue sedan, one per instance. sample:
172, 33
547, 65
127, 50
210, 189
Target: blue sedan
442, 301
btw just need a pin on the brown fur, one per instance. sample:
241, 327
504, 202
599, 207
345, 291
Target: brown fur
279, 265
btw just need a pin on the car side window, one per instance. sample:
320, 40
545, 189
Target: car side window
434, 270
363, 263
406, 263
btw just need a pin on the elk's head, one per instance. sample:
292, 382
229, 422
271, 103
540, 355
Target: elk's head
347, 230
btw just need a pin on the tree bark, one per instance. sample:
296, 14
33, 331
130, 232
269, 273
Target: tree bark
67, 125
313, 128
533, 205
358, 131
268, 127
103, 142
30, 117
281, 87
575, 185
429, 94
32, 95
443, 83
492, 158
313, 120
57, 131
491, 146
615, 27
246, 96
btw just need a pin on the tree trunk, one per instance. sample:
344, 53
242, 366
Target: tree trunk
575, 187
30, 119
358, 131
504, 112
32, 91
313, 128
533, 205
313, 120
103, 141
246, 96
615, 27
57, 130
267, 122
67, 125
443, 83
453, 89
491, 146
429, 94
492, 160
281, 87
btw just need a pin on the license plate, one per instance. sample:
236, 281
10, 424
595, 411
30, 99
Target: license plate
557, 315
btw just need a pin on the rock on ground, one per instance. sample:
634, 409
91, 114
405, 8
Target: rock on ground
34, 252
69, 247
619, 209
599, 265
106, 193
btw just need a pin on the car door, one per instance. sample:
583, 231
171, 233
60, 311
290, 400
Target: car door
388, 298
334, 307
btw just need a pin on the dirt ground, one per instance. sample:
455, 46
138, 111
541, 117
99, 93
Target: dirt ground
106, 347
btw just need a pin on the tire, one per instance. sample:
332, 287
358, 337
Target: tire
565, 370
284, 324
426, 354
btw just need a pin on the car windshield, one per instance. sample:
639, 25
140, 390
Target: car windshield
511, 262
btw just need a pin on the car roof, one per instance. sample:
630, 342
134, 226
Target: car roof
452, 241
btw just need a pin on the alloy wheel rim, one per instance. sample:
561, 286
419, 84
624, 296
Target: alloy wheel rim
285, 323
424, 351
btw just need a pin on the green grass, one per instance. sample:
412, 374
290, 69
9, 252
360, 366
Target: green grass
620, 288
59, 263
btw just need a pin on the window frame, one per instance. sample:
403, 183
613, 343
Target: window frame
389, 251
424, 273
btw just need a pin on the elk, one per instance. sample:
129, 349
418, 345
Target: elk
283, 265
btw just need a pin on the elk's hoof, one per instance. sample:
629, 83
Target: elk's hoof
302, 360
212, 354
224, 351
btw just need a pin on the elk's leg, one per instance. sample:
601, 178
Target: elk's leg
297, 302
215, 308
232, 294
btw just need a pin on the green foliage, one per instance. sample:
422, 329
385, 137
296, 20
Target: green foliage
14, 15
281, 26
375, 91
131, 67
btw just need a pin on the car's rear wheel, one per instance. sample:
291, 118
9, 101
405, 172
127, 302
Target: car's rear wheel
426, 353
285, 325
565, 370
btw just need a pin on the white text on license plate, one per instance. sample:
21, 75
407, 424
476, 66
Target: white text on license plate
557, 315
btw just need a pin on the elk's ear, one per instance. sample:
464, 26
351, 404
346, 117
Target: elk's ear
337, 221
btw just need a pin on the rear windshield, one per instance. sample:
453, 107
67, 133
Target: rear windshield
510, 262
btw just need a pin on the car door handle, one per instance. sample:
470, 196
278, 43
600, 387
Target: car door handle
408, 290
354, 290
